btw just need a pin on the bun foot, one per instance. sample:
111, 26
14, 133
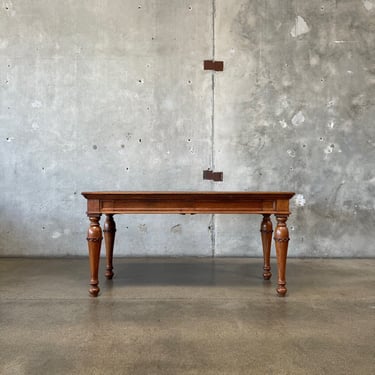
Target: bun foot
281, 290
267, 275
109, 274
94, 291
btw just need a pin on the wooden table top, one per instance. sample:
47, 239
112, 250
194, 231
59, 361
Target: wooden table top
122, 194
189, 202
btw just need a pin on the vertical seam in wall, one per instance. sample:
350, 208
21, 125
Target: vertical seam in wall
213, 219
213, 89
213, 27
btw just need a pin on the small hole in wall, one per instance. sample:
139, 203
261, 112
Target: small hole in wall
139, 6
122, 146
140, 140
189, 82
95, 147
190, 7
189, 140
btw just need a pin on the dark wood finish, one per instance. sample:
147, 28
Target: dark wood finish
177, 202
281, 244
266, 234
94, 240
109, 238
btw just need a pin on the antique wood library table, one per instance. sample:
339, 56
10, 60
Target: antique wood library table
179, 202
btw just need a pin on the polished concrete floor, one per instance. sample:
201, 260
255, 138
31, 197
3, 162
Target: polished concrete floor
187, 316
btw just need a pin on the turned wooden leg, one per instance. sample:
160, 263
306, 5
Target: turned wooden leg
266, 234
281, 243
109, 238
94, 241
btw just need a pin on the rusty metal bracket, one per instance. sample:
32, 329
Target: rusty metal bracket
217, 66
211, 175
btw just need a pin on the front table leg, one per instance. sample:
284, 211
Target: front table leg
109, 238
94, 241
281, 244
266, 233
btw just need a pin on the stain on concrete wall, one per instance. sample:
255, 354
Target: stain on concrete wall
111, 95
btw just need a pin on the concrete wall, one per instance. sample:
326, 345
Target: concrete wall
111, 95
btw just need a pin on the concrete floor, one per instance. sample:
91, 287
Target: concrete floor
187, 316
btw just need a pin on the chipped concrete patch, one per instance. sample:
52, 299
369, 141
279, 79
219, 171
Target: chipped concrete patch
37, 104
300, 27
369, 4
299, 200
298, 119
4, 43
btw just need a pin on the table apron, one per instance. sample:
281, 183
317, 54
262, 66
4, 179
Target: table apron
191, 206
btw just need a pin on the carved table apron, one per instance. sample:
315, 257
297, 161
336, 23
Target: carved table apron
179, 202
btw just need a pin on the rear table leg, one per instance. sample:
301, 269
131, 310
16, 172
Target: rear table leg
109, 238
266, 234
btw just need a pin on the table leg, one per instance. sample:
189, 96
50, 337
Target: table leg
281, 244
266, 234
94, 241
109, 238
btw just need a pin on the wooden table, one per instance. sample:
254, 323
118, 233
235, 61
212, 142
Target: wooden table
178, 202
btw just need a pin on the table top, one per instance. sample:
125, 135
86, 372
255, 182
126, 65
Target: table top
122, 194
188, 202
